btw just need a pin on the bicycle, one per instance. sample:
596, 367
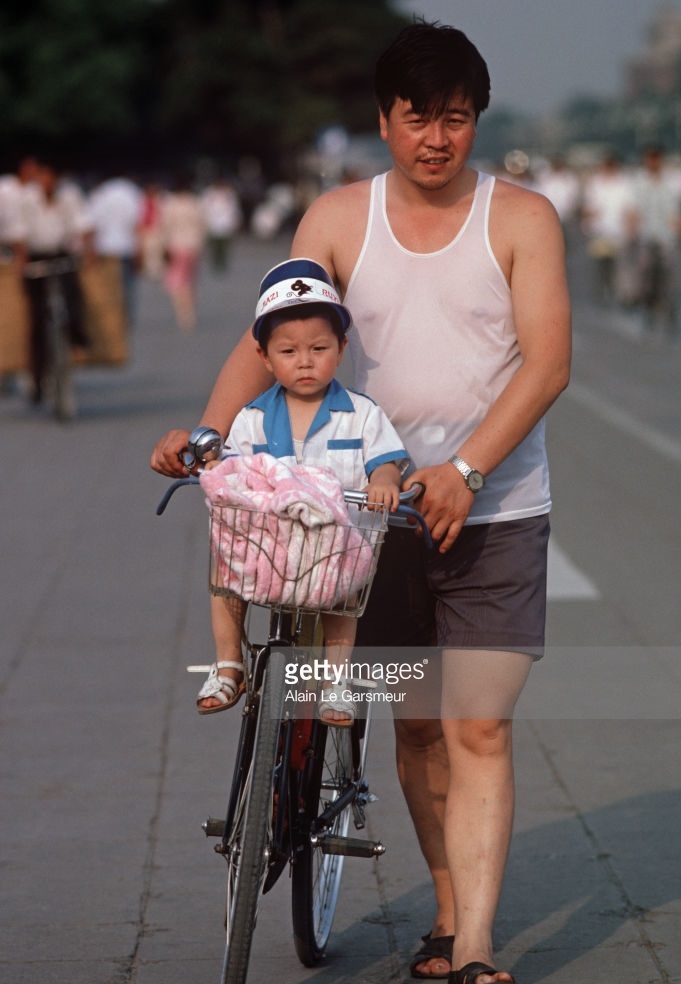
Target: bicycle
297, 782
58, 347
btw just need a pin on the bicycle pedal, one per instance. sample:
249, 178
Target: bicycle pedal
352, 847
212, 827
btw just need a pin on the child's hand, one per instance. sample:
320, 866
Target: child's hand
384, 487
383, 495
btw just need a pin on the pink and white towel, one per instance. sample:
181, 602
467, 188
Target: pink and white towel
284, 534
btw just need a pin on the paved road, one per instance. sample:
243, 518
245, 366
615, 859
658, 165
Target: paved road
107, 772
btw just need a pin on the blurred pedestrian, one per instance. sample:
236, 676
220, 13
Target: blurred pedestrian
12, 254
274, 211
115, 208
150, 233
12, 232
250, 183
183, 231
561, 186
57, 226
223, 217
657, 223
607, 206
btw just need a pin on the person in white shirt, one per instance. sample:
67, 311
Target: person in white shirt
560, 185
56, 226
223, 216
657, 223
183, 231
606, 220
12, 231
115, 208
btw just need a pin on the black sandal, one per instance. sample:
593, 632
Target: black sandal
434, 947
469, 973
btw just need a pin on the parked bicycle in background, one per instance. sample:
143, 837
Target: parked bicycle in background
48, 284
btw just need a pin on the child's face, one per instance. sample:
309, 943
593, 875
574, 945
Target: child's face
304, 354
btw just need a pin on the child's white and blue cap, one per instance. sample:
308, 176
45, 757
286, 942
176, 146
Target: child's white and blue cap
294, 283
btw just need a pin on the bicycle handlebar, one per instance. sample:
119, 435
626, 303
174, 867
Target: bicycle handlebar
172, 489
205, 444
404, 515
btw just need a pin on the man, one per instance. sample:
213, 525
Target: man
461, 331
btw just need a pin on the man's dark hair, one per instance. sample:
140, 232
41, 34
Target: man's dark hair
299, 312
428, 63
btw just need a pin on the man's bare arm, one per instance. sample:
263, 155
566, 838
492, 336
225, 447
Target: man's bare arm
241, 378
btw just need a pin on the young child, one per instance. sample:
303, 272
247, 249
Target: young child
309, 418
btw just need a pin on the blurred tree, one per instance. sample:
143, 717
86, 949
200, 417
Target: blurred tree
159, 78
264, 76
71, 70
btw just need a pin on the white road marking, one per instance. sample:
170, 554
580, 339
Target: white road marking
566, 582
625, 422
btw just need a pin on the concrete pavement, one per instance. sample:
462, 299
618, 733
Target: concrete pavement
107, 772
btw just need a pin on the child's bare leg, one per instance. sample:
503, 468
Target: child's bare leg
227, 618
339, 639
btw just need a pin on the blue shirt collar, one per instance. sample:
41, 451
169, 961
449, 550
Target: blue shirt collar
276, 422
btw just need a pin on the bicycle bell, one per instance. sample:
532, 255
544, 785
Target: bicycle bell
204, 444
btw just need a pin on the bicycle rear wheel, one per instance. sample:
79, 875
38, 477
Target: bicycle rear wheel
316, 877
249, 840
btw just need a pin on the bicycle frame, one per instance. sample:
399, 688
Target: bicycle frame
286, 832
295, 785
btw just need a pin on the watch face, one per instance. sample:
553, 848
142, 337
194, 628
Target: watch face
475, 481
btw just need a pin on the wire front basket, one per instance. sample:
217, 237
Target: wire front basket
273, 560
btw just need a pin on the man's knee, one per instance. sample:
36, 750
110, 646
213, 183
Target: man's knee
417, 734
483, 738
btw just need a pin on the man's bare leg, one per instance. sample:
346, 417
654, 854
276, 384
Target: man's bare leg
424, 775
480, 691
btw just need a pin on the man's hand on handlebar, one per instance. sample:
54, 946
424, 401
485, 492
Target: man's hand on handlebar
166, 458
445, 502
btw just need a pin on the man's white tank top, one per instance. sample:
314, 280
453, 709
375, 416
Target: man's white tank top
434, 344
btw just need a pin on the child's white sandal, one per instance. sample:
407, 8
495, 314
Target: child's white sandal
225, 689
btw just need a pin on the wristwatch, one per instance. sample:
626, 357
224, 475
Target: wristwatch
472, 477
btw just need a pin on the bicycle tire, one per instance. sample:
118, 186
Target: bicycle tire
316, 877
249, 840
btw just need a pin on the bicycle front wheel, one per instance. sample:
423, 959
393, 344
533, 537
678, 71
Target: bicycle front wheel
316, 877
248, 844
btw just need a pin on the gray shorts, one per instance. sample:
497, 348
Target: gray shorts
487, 592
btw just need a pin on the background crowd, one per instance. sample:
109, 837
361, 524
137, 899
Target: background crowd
630, 219
627, 216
